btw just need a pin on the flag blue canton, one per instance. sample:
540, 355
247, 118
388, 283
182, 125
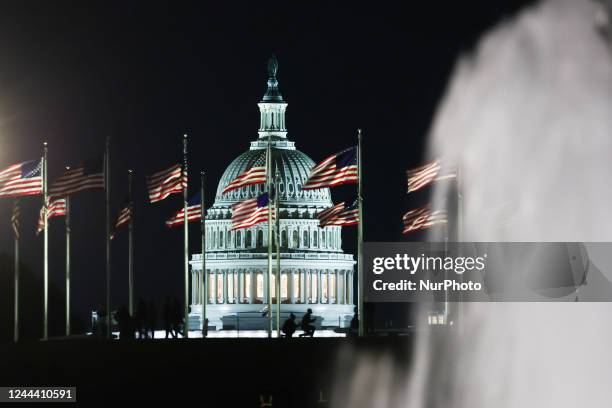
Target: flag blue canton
262, 200
195, 200
346, 158
31, 168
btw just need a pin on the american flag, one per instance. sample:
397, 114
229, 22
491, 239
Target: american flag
85, 176
340, 168
124, 217
250, 212
15, 219
57, 207
422, 176
194, 212
340, 215
423, 217
163, 183
21, 179
255, 174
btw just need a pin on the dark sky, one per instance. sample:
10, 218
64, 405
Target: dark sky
143, 73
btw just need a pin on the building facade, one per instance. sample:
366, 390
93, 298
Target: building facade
315, 272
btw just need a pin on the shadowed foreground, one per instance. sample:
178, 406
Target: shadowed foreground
215, 372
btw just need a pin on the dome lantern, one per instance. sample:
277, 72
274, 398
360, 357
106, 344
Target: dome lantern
272, 107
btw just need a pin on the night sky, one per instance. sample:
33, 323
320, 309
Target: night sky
144, 74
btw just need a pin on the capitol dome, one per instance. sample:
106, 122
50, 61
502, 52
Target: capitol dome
315, 272
293, 167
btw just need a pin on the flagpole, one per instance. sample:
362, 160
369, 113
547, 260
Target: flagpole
16, 317
130, 246
186, 241
46, 248
278, 258
203, 275
67, 220
269, 277
360, 311
109, 319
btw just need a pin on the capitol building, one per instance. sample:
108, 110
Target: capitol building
315, 272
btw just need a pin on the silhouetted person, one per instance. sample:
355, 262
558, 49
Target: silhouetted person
168, 318
101, 322
177, 317
306, 325
151, 320
354, 329
290, 326
126, 327
141, 319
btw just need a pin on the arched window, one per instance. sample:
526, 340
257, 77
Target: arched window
260, 238
284, 238
315, 239
238, 238
323, 238
214, 240
296, 239
221, 239
306, 241
248, 241
229, 238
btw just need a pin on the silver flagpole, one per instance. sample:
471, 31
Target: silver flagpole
269, 277
130, 246
278, 258
46, 248
360, 311
109, 320
186, 241
203, 275
16, 317
67, 263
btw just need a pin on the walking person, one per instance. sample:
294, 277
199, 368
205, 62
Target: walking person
151, 320
168, 318
177, 317
140, 319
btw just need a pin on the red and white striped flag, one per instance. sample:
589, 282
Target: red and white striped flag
339, 215
423, 217
21, 179
255, 174
163, 183
250, 212
340, 168
123, 218
57, 207
86, 176
194, 212
422, 176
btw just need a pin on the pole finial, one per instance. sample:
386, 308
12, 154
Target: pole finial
185, 135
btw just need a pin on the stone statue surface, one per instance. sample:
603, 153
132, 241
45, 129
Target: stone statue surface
272, 66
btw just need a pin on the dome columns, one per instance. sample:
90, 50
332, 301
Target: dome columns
272, 119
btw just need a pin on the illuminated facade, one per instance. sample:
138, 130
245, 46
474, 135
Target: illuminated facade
315, 272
